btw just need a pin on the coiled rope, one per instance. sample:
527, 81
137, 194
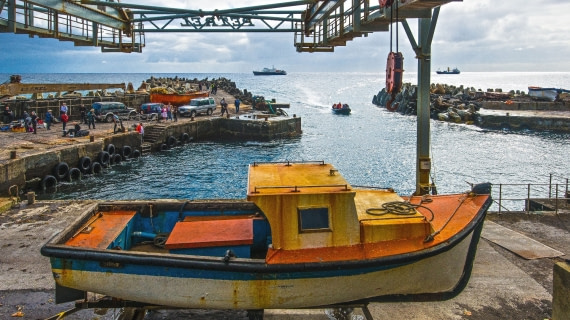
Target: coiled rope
400, 208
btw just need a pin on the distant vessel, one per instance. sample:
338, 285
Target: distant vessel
269, 72
449, 71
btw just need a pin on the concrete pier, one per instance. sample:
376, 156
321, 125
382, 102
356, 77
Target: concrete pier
525, 115
31, 165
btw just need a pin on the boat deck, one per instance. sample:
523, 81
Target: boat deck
103, 231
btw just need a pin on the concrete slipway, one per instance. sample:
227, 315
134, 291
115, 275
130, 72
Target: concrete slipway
502, 286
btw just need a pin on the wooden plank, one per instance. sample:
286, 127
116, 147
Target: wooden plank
210, 233
101, 230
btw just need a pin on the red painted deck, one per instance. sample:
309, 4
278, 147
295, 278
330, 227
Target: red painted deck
102, 229
210, 233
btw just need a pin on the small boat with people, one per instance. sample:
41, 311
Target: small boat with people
304, 237
449, 71
270, 72
341, 109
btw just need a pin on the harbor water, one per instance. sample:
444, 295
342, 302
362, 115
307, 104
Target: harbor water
370, 147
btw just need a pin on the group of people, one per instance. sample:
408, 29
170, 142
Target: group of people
30, 120
168, 112
337, 106
224, 105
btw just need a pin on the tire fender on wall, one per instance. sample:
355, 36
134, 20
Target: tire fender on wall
49, 182
74, 174
60, 170
110, 148
84, 164
126, 151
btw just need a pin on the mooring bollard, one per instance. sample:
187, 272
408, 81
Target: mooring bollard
31, 197
13, 154
91, 138
192, 119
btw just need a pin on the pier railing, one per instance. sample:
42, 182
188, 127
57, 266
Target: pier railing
551, 196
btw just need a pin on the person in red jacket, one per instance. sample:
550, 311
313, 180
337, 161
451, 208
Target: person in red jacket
64, 119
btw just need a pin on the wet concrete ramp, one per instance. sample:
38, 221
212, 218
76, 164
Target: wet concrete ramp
518, 243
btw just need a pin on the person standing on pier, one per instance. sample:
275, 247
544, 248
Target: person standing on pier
174, 113
34, 119
164, 113
140, 130
169, 112
224, 105
237, 103
63, 109
118, 123
48, 119
91, 118
27, 121
83, 114
64, 119
8, 115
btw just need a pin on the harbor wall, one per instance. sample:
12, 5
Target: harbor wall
512, 121
526, 105
28, 171
527, 115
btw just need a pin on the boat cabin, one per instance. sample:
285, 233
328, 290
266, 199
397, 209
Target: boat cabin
310, 206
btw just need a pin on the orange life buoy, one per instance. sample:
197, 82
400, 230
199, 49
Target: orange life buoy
394, 72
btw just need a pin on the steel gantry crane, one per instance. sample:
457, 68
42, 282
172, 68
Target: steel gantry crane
318, 26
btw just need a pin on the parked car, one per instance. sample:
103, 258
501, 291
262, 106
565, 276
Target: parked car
151, 110
197, 106
104, 111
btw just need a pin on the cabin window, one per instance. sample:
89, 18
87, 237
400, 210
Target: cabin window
313, 219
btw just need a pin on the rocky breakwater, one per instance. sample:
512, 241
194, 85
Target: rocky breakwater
490, 109
447, 103
182, 85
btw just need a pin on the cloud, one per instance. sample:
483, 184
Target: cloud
473, 35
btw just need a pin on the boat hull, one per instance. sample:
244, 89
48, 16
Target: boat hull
177, 99
277, 73
547, 94
182, 287
345, 111
448, 72
218, 289
187, 281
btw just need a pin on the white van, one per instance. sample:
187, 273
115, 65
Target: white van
198, 105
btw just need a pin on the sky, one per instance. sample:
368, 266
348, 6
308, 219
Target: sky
473, 35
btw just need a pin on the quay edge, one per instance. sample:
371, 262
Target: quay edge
528, 115
27, 170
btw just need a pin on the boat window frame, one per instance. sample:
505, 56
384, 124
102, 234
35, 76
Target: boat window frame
305, 209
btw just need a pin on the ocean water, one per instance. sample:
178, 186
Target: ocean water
370, 147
